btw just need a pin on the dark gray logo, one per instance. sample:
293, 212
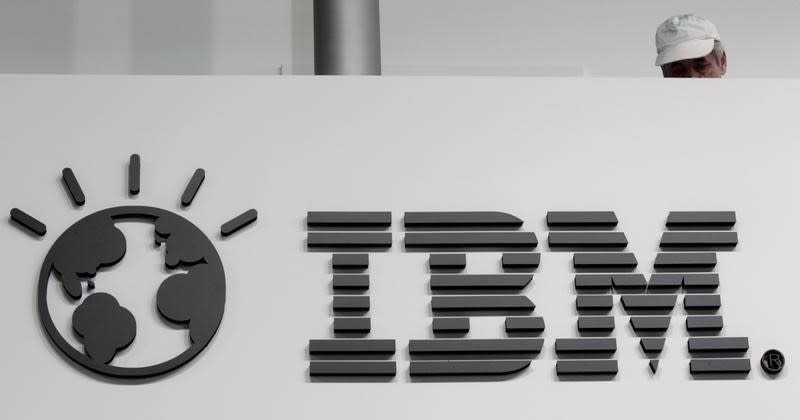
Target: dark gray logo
603, 269
193, 299
772, 361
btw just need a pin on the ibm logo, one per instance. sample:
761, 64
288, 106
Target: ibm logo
683, 272
191, 290
192, 295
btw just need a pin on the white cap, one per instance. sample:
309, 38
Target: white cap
684, 37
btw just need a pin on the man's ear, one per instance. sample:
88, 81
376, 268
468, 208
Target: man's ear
724, 62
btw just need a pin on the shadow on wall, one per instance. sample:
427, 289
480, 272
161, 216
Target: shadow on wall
172, 37
186, 50
43, 47
155, 37
302, 38
166, 37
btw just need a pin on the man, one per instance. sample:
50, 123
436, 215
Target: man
689, 46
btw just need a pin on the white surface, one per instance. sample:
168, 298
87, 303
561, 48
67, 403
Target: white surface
478, 37
288, 145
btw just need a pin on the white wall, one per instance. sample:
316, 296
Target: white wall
398, 144
509, 37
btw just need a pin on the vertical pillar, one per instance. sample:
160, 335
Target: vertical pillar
347, 37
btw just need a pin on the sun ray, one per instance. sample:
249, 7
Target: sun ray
232, 226
134, 174
193, 186
73, 186
28, 222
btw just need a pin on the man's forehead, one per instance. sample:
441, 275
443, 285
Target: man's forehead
690, 61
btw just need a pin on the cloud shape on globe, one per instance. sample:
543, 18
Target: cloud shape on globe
105, 326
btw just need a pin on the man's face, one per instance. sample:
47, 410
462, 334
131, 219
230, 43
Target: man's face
703, 67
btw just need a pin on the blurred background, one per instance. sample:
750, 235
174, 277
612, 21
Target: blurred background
571, 38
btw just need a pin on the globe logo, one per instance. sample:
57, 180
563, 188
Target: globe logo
192, 298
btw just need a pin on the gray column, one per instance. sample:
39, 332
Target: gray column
347, 37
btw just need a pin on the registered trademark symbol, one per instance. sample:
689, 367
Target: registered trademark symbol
772, 361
